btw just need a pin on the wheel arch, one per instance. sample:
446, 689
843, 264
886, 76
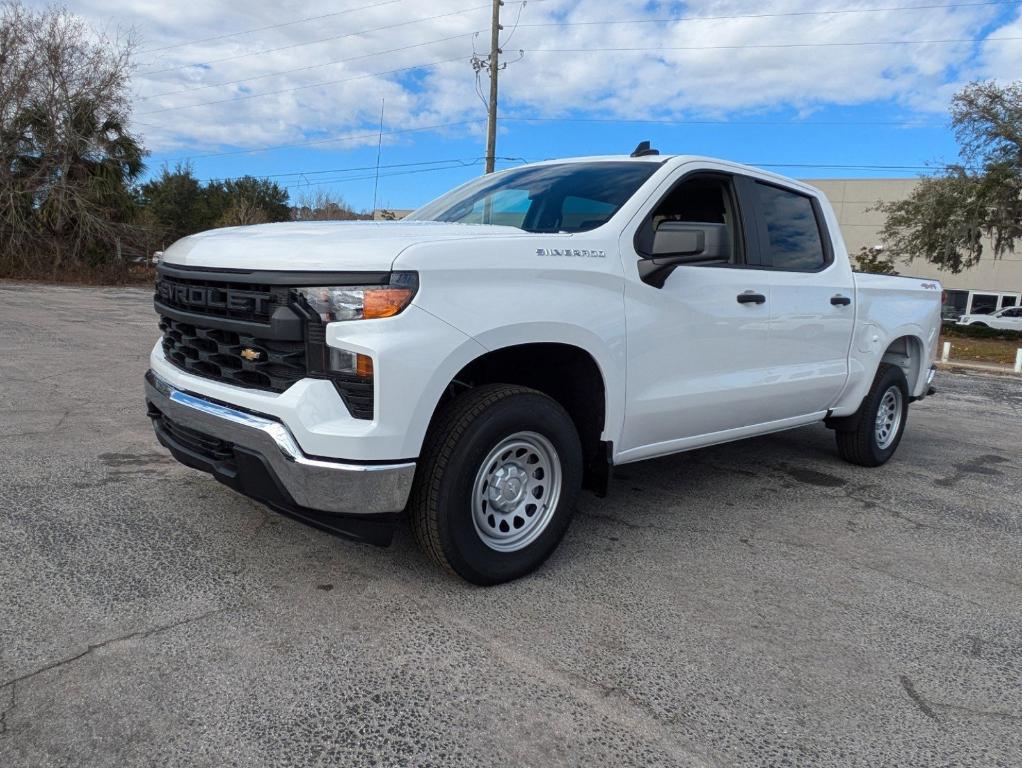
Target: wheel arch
569, 374
908, 353
906, 348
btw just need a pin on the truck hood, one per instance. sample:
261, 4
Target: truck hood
319, 245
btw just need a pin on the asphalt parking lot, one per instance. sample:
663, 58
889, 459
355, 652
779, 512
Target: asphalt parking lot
760, 603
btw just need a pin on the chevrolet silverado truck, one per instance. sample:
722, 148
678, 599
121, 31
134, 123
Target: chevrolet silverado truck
476, 365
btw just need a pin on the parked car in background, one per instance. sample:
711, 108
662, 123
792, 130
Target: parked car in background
1008, 319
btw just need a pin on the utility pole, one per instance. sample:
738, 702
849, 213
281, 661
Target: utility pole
491, 122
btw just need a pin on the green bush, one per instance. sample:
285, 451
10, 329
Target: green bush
951, 330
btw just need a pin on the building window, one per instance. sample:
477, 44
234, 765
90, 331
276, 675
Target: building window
983, 303
954, 304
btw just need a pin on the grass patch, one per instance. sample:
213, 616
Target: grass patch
1000, 351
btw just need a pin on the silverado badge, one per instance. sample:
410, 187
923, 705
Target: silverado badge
252, 355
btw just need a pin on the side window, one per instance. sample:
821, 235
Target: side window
701, 200
792, 233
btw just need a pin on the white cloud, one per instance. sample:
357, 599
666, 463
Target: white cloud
1002, 59
661, 83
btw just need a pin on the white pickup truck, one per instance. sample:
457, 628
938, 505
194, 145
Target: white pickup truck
477, 364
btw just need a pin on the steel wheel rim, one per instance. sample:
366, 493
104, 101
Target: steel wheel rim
516, 491
888, 419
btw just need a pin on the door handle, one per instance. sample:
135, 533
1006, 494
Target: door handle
840, 301
751, 297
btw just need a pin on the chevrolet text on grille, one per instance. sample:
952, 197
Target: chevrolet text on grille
214, 298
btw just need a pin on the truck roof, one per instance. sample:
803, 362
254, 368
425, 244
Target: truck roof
675, 160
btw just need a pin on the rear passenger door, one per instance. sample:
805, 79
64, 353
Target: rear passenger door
812, 313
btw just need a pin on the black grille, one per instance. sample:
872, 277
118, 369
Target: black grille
357, 394
218, 354
235, 301
247, 329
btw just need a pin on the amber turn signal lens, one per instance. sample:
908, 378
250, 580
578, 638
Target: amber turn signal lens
385, 302
364, 366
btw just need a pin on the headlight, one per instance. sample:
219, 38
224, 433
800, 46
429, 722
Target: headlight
361, 302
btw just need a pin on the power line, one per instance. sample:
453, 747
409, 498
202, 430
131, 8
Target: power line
307, 68
453, 162
301, 87
314, 42
518, 18
666, 121
369, 177
742, 46
267, 27
769, 15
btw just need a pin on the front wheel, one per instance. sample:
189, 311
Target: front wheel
871, 435
497, 483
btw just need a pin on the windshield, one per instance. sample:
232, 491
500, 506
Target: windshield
564, 197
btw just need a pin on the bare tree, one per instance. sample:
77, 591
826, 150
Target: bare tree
322, 206
67, 157
242, 212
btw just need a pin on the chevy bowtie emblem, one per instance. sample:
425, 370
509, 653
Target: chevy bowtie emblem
252, 355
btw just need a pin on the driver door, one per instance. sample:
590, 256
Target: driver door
699, 359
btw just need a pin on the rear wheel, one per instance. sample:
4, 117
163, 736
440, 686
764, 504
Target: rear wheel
497, 483
871, 435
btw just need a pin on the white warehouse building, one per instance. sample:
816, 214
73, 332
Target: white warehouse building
990, 285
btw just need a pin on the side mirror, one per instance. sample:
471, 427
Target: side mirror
681, 242
704, 242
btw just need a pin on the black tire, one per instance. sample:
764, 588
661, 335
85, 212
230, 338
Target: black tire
979, 325
857, 439
461, 438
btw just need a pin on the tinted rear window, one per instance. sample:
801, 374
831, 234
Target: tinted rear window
793, 235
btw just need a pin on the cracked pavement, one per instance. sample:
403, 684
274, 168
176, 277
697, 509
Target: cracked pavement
759, 603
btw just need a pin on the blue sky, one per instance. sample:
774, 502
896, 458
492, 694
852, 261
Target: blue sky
293, 90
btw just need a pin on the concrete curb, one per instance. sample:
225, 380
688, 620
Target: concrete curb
954, 366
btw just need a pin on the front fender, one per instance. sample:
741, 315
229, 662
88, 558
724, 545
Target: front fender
609, 358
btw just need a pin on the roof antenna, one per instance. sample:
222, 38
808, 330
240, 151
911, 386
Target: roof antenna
379, 151
644, 149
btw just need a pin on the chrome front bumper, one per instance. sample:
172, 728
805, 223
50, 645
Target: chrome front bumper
310, 484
